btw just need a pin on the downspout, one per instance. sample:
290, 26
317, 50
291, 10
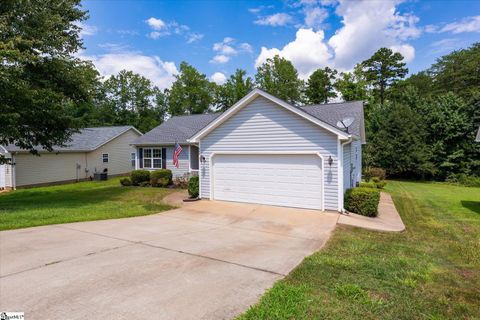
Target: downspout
349, 140
14, 173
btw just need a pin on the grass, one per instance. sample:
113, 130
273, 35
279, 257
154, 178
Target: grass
83, 201
430, 271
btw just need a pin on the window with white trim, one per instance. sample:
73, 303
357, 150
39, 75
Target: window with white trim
152, 158
105, 157
133, 157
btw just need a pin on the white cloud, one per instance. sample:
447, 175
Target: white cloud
156, 24
369, 25
161, 73
161, 28
467, 24
275, 20
314, 17
307, 52
86, 29
224, 47
220, 58
193, 37
246, 47
445, 45
219, 78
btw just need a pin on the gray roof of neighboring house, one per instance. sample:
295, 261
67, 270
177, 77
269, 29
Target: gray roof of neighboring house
176, 129
88, 139
331, 113
181, 128
478, 135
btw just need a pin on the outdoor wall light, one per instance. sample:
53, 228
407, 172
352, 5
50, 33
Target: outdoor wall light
202, 159
330, 161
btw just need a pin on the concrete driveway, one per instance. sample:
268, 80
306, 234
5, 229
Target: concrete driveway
206, 260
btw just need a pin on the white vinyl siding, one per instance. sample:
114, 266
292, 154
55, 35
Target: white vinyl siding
264, 126
3, 178
357, 161
119, 150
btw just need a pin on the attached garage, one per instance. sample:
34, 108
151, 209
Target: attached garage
292, 180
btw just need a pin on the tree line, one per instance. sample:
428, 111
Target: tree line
420, 126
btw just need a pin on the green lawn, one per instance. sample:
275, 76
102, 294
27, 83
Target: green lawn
82, 201
430, 271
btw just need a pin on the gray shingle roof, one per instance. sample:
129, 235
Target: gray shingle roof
478, 135
331, 113
176, 129
180, 128
88, 139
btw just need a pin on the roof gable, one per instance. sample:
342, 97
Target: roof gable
280, 103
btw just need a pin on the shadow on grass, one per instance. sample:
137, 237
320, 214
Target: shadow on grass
471, 205
31, 199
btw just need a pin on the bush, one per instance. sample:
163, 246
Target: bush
362, 201
193, 187
161, 178
381, 184
144, 184
368, 184
125, 182
464, 180
139, 176
372, 172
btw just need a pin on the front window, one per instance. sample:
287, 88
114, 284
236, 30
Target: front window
132, 159
105, 158
152, 158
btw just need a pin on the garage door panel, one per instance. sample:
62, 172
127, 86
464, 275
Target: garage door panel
283, 180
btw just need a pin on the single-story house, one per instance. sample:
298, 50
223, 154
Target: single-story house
264, 150
88, 151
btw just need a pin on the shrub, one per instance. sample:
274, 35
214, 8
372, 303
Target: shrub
139, 176
144, 184
193, 187
362, 201
125, 182
368, 184
372, 172
381, 184
161, 178
463, 179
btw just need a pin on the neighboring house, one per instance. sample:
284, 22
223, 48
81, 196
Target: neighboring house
477, 139
264, 150
89, 151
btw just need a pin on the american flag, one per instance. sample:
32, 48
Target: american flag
176, 153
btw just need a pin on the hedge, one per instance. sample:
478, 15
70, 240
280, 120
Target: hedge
139, 176
193, 187
363, 201
161, 178
125, 181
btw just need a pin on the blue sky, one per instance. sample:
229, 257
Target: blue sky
153, 37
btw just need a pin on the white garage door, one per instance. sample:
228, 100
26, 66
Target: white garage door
281, 180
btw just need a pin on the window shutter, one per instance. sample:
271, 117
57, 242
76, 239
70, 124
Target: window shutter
140, 157
164, 158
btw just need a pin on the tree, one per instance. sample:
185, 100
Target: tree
279, 77
352, 85
130, 99
191, 93
383, 69
320, 85
458, 72
236, 87
399, 145
40, 79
